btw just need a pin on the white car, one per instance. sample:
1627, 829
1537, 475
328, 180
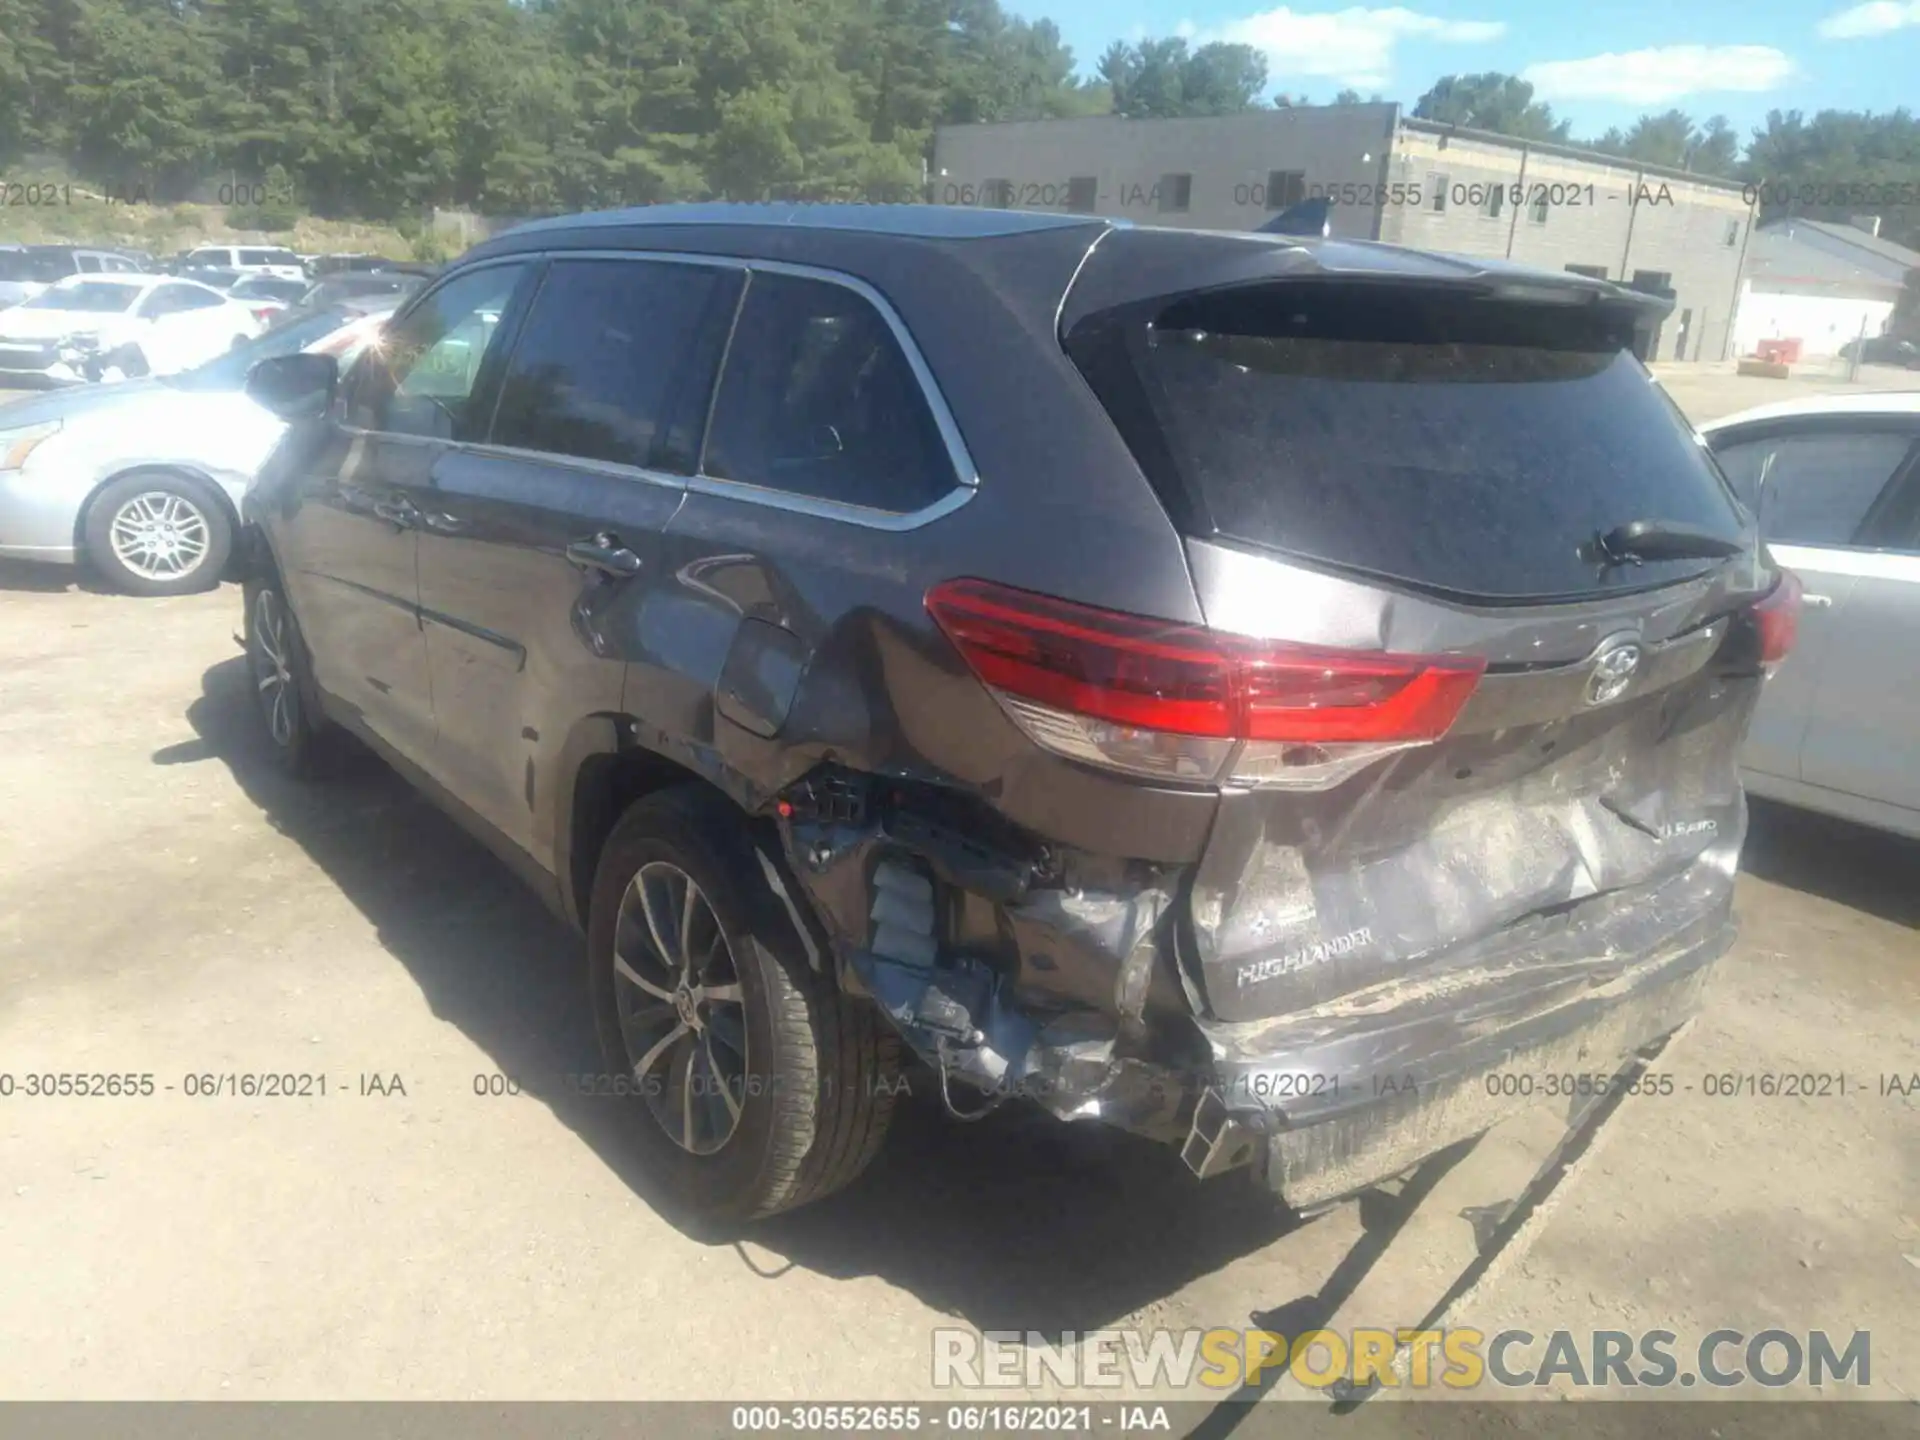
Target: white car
249, 260
143, 479
88, 325
1835, 481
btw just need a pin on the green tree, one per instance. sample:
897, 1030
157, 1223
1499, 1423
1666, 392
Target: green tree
1163, 79
1491, 101
1674, 140
1839, 164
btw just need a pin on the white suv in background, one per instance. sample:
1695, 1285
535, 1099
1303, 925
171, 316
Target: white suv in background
250, 259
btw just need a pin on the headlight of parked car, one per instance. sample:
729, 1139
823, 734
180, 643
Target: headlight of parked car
18, 443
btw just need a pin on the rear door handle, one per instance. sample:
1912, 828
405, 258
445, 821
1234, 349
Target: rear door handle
605, 553
1817, 602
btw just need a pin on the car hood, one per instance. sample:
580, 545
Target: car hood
23, 324
71, 404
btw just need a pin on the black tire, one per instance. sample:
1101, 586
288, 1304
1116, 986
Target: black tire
817, 1081
141, 499
297, 737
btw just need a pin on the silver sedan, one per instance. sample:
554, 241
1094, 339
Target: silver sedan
143, 478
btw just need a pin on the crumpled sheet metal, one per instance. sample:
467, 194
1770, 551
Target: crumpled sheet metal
970, 1021
1302, 899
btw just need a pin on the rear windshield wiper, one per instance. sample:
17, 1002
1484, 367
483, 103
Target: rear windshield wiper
1640, 540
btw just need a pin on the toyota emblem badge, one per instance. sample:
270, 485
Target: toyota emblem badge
1615, 664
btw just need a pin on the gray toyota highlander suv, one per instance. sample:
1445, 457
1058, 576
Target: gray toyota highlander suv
1261, 693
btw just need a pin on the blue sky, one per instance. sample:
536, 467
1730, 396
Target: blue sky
1599, 64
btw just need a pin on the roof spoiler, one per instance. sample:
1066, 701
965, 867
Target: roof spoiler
1309, 217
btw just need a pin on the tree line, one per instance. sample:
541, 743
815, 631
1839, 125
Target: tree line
378, 109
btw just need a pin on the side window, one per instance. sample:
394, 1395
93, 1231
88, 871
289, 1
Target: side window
421, 378
597, 367
88, 264
1819, 487
818, 399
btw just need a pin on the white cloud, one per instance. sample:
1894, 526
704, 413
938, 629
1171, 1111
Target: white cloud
1649, 77
1876, 18
1352, 46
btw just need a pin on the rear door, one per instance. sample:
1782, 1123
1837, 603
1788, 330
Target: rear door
1833, 494
1429, 469
540, 541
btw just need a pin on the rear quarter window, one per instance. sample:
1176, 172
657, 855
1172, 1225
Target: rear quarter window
819, 400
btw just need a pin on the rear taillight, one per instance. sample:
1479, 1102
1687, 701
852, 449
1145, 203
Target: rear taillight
1779, 619
1181, 702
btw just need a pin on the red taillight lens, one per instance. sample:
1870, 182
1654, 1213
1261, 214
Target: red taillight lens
1181, 680
1779, 619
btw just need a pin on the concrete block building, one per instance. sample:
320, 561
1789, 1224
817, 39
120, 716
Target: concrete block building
1390, 177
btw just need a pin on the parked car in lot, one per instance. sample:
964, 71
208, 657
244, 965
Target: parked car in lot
320, 266
249, 259
392, 285
1883, 350
214, 277
1241, 689
27, 270
268, 296
86, 327
143, 479
1835, 480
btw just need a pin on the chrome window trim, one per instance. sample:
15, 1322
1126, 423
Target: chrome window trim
487, 449
861, 515
966, 474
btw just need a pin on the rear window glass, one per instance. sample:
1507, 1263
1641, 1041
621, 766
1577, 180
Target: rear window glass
1460, 445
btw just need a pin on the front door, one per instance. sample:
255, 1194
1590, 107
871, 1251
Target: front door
352, 529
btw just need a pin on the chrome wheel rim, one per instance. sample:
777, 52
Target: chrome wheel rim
160, 535
272, 669
683, 1018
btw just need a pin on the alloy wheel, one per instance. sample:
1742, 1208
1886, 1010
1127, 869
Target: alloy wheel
682, 1015
160, 535
273, 669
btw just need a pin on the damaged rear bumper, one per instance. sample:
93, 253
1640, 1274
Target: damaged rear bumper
1332, 1100
1320, 1102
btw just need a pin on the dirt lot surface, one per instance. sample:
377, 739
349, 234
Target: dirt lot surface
168, 906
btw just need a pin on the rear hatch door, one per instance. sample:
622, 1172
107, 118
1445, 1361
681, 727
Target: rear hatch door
1417, 455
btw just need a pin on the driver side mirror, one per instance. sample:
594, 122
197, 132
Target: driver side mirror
295, 387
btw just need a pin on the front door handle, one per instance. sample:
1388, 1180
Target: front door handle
1817, 602
398, 511
605, 553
